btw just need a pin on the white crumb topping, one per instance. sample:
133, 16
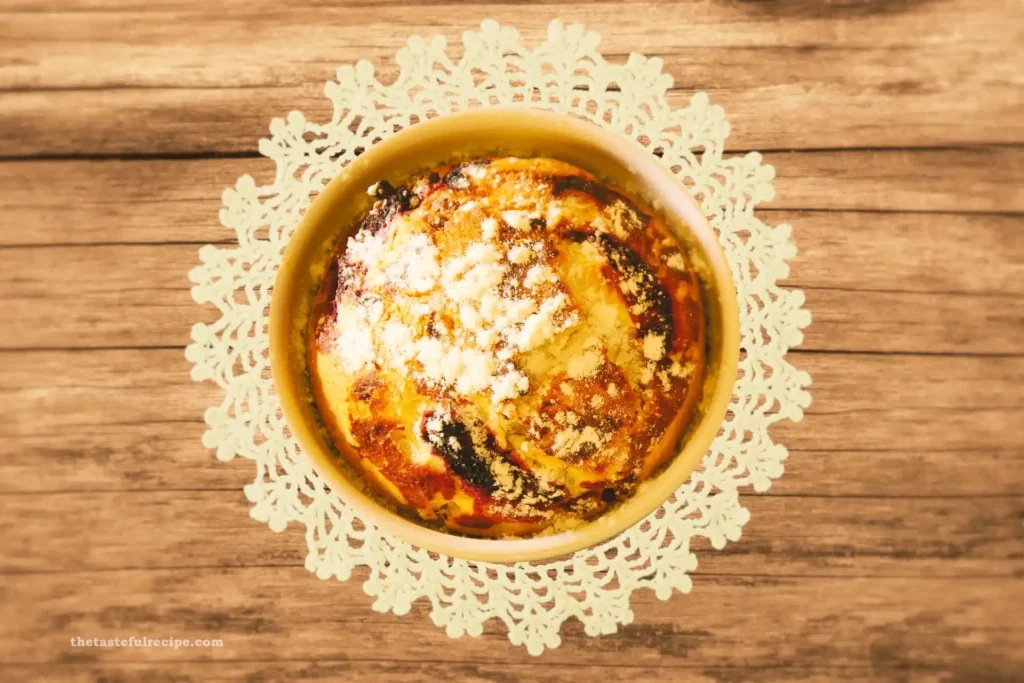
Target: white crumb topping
519, 254
416, 265
509, 385
458, 181
570, 440
554, 212
586, 364
538, 275
456, 297
354, 344
621, 219
647, 373
452, 323
654, 346
676, 261
540, 327
520, 220
488, 228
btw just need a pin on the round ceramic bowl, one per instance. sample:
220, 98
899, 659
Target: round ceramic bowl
524, 133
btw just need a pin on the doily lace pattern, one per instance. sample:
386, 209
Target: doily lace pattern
565, 73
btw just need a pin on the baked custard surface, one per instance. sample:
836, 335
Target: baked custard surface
507, 346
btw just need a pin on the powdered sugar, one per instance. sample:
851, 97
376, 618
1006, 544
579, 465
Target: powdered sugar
520, 254
468, 277
538, 275
488, 228
654, 346
417, 265
676, 261
354, 344
520, 220
570, 440
462, 317
587, 363
451, 323
540, 327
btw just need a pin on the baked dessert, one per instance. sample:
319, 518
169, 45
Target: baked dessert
507, 346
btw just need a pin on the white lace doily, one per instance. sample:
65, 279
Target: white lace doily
565, 73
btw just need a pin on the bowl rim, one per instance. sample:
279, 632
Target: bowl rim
672, 199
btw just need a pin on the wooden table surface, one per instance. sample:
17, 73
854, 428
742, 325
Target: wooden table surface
893, 547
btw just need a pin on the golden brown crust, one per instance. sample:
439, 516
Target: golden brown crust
508, 346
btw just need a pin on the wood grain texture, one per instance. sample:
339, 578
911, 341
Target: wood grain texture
879, 424
357, 671
901, 283
877, 537
882, 625
891, 550
144, 201
142, 82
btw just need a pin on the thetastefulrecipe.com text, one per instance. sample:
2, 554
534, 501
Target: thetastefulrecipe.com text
133, 641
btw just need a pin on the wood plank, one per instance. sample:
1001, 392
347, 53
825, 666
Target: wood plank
746, 18
896, 537
889, 471
119, 201
41, 389
47, 392
179, 200
100, 296
143, 454
908, 429
147, 456
936, 180
937, 255
890, 625
357, 671
897, 426
912, 322
109, 201
875, 537
97, 298
139, 82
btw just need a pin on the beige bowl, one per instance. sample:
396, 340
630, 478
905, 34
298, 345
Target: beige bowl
515, 132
